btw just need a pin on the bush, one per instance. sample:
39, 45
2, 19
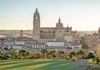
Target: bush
68, 58
99, 63
74, 58
98, 60
95, 62
21, 57
91, 55
90, 61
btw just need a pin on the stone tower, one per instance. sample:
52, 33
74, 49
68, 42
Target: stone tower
59, 33
68, 34
36, 25
21, 33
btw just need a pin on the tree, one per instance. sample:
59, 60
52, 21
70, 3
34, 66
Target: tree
91, 55
61, 54
83, 53
1, 52
84, 43
12, 54
37, 55
73, 53
51, 54
98, 52
44, 52
24, 53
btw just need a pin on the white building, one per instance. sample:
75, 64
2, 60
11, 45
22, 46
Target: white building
19, 42
35, 46
38, 45
7, 44
17, 47
77, 47
55, 44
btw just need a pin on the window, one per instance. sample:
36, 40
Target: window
36, 17
60, 31
35, 46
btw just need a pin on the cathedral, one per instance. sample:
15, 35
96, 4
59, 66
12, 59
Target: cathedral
58, 33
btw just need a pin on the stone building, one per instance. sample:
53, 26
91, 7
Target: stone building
99, 30
59, 32
21, 33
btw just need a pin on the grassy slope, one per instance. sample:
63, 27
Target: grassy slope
38, 64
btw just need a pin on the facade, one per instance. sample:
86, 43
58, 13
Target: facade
59, 32
7, 44
36, 25
35, 46
77, 47
50, 45
56, 45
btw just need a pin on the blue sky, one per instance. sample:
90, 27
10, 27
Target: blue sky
80, 14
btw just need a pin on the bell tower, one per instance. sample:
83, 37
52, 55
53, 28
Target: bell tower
59, 32
36, 25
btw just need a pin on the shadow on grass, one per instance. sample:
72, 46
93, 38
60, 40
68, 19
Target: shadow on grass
15, 62
31, 63
58, 65
52, 65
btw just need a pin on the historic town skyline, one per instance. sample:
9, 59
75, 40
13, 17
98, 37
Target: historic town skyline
80, 14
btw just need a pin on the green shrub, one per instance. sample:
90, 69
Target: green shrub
74, 58
95, 62
99, 63
90, 61
91, 55
21, 57
68, 57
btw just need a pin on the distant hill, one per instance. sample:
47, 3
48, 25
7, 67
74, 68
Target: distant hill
15, 33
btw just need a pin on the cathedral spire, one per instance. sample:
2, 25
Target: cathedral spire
59, 20
36, 10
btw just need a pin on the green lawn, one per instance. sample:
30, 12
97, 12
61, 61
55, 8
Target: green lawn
36, 64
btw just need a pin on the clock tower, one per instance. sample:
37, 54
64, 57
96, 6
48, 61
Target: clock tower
36, 25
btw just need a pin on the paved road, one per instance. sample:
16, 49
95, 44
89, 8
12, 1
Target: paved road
82, 64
